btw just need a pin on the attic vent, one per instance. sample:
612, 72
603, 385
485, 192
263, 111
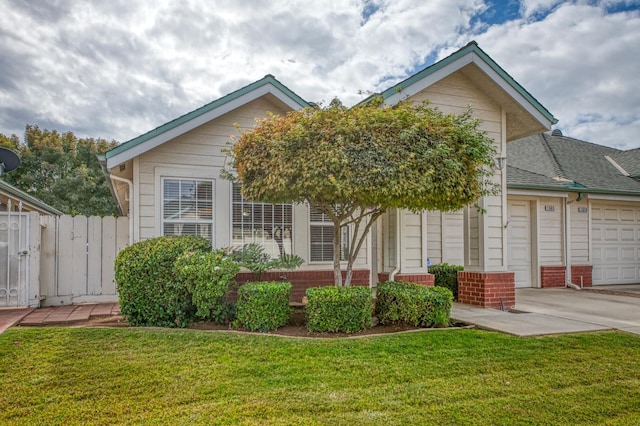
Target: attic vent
556, 132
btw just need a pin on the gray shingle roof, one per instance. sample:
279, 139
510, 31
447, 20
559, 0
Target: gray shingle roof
629, 161
575, 164
519, 178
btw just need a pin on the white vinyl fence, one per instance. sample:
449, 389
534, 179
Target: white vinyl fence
77, 255
58, 260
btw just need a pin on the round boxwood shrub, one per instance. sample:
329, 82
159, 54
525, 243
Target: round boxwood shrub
339, 309
263, 306
446, 276
208, 276
150, 294
413, 304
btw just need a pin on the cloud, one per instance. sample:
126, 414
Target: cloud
117, 69
579, 62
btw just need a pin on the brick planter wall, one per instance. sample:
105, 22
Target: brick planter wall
487, 289
584, 272
553, 276
424, 279
302, 280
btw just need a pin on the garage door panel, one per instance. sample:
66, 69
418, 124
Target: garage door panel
615, 238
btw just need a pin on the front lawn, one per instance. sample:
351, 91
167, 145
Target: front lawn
154, 376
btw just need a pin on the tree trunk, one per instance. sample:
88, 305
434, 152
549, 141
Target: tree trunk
337, 236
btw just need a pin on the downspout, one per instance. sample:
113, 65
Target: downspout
392, 275
130, 184
567, 244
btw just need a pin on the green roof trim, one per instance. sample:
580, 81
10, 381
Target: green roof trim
29, 199
268, 79
471, 47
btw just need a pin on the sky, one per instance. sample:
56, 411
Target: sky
119, 68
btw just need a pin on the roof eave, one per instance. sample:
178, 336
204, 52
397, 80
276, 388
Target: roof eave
28, 199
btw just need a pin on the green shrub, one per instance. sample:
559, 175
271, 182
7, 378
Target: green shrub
447, 276
149, 292
263, 306
207, 276
413, 304
339, 309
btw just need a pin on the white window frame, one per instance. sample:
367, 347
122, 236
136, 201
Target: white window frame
179, 222
255, 225
328, 224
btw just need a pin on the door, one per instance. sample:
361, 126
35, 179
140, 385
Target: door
14, 262
519, 242
615, 244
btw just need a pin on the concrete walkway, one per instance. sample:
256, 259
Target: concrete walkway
559, 310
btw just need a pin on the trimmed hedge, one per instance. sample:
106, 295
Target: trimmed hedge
339, 309
149, 292
413, 304
208, 276
263, 306
446, 276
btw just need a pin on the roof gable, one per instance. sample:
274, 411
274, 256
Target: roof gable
202, 115
528, 116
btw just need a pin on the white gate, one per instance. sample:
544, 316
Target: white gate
14, 259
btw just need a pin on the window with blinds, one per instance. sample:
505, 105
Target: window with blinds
321, 237
187, 207
270, 225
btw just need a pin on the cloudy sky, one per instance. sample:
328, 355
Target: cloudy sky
119, 68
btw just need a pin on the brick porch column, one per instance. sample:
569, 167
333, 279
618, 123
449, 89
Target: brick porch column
487, 289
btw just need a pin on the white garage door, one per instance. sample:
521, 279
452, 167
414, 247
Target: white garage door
519, 242
615, 244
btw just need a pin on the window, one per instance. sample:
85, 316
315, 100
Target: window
270, 225
321, 237
187, 207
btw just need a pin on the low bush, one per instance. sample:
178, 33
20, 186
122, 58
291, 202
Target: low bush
149, 292
263, 306
208, 276
413, 304
446, 276
339, 309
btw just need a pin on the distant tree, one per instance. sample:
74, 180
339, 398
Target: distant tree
62, 170
355, 164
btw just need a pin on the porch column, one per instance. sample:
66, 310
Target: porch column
485, 280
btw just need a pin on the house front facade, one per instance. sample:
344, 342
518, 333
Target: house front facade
168, 181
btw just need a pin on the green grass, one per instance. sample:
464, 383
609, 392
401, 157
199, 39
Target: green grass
151, 376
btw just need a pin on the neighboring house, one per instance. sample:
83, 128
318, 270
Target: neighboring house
573, 212
13, 199
168, 182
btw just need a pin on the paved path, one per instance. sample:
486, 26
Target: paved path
58, 315
560, 310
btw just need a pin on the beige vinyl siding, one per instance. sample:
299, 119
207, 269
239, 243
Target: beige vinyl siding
196, 154
445, 237
550, 231
389, 221
454, 94
412, 250
579, 233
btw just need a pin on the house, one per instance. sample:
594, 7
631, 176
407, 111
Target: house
573, 212
168, 182
13, 199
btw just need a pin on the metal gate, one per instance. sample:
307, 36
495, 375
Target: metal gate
14, 259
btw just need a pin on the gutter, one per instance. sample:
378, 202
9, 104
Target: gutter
130, 215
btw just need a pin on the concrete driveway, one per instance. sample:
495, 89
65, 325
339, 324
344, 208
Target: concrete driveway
603, 306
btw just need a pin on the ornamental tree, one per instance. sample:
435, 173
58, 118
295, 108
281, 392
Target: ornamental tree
353, 164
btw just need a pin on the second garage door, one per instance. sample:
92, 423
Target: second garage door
615, 244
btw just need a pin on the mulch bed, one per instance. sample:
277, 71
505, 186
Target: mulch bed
295, 328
